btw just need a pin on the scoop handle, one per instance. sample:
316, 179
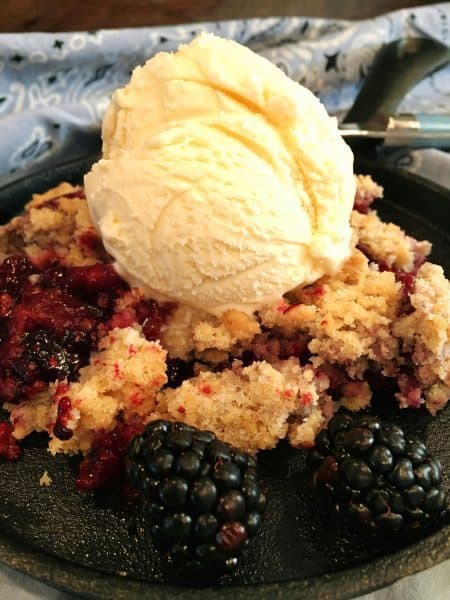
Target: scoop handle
433, 122
398, 67
418, 131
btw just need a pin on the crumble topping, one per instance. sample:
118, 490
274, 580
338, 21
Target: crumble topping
367, 190
253, 380
387, 243
55, 226
248, 407
45, 480
366, 185
122, 378
425, 335
349, 317
190, 332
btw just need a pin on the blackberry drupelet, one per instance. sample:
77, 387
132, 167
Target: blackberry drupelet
374, 474
177, 371
200, 494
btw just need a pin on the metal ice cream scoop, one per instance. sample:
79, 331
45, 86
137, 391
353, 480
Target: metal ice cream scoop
399, 66
404, 130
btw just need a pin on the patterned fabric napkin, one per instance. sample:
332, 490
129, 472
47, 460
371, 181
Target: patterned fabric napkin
54, 89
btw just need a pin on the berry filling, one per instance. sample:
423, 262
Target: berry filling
9, 448
177, 371
407, 280
410, 390
273, 346
363, 200
49, 322
148, 313
60, 428
104, 465
53, 202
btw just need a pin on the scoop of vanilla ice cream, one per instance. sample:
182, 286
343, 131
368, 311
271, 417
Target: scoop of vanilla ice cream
223, 183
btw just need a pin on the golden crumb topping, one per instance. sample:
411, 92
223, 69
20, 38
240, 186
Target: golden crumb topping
349, 317
425, 333
386, 242
56, 224
123, 377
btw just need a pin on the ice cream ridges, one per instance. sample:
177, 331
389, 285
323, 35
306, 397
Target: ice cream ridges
223, 183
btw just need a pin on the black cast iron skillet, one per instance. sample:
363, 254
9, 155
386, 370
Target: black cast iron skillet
81, 542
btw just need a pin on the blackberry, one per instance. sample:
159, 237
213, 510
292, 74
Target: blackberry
200, 495
375, 474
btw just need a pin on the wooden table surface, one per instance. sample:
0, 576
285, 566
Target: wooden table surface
69, 15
